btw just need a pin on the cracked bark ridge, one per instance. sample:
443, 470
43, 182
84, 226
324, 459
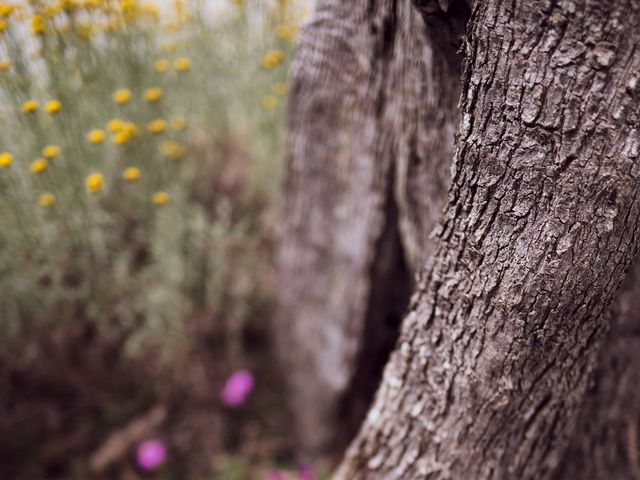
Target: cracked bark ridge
372, 117
540, 229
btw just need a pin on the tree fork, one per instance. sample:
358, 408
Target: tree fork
540, 230
372, 117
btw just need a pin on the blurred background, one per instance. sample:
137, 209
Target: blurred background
141, 153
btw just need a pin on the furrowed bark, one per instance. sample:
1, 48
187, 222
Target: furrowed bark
372, 118
540, 229
606, 443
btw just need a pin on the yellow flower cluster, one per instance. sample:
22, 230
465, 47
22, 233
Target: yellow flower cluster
38, 165
182, 64
37, 24
52, 106
157, 126
152, 94
29, 106
6, 9
131, 173
114, 15
271, 59
122, 95
94, 182
5, 159
160, 198
172, 149
50, 151
121, 131
95, 136
46, 199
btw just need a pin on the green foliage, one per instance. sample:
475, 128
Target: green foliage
110, 250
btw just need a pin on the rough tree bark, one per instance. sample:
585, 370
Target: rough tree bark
372, 118
547, 147
606, 443
539, 232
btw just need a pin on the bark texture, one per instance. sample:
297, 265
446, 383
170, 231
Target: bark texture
606, 443
372, 118
539, 231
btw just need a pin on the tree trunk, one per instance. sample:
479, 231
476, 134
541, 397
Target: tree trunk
372, 117
495, 354
606, 443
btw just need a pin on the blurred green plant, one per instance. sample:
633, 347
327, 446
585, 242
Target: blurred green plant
140, 152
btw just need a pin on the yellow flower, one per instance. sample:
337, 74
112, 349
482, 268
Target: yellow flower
4, 65
50, 151
125, 131
161, 65
269, 102
122, 95
182, 64
129, 10
3, 25
286, 32
131, 128
91, 4
178, 123
93, 183
280, 88
131, 173
150, 9
46, 199
114, 125
152, 94
171, 149
271, 59
6, 9
160, 198
157, 126
5, 159
95, 136
37, 24
52, 106
38, 165
29, 106
52, 10
120, 137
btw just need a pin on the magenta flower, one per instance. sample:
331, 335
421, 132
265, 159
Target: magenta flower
237, 388
305, 472
151, 454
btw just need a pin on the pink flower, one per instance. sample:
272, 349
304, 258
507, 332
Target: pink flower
151, 454
237, 388
305, 472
